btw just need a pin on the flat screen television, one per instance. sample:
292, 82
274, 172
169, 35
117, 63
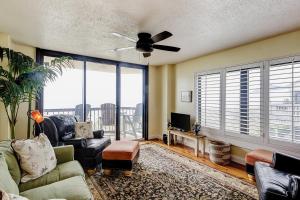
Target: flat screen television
180, 121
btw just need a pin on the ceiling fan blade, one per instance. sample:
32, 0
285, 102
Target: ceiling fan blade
161, 36
121, 49
146, 55
165, 48
124, 36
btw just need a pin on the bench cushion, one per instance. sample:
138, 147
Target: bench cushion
259, 155
121, 150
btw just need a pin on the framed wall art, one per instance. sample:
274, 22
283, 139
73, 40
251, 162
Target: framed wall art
186, 96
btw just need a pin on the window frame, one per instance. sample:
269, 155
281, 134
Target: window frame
239, 135
41, 53
242, 140
280, 143
207, 129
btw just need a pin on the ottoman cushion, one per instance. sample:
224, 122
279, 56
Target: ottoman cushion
121, 150
259, 155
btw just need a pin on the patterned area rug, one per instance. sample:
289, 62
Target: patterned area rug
163, 174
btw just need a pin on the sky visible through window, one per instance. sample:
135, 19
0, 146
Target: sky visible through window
67, 90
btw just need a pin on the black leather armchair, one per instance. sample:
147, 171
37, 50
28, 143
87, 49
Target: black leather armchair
60, 130
280, 180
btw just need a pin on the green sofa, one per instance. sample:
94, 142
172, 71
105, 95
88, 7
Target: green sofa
66, 181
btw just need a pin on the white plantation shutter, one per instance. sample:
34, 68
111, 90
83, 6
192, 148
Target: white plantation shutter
284, 100
249, 100
243, 101
208, 100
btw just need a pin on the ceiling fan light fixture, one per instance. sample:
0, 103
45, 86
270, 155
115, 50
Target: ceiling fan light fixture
146, 44
121, 49
123, 36
116, 34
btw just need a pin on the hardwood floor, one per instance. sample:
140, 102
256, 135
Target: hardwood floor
233, 169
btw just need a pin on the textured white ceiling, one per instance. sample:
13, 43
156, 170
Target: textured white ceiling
199, 26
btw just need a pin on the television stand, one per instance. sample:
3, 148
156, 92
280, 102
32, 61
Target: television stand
189, 135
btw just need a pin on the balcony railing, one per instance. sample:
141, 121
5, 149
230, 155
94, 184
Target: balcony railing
129, 122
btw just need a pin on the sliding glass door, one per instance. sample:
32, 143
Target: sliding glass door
65, 95
101, 97
131, 103
110, 94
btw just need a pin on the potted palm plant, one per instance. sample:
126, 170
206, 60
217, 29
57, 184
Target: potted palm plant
21, 80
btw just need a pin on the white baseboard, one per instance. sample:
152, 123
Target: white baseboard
152, 137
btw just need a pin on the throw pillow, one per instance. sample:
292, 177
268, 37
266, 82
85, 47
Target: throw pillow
36, 157
84, 130
16, 197
9, 196
3, 195
6, 181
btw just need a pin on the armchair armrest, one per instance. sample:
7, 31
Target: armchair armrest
64, 153
78, 143
294, 187
286, 163
98, 133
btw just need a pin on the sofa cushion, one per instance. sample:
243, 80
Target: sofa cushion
36, 155
11, 160
64, 153
51, 131
294, 187
271, 183
61, 172
74, 188
281, 161
98, 133
94, 147
6, 181
65, 125
70, 169
46, 179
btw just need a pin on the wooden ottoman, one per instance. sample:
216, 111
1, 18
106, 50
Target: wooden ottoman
120, 155
257, 155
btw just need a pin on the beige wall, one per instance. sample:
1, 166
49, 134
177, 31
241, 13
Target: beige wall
168, 93
4, 127
155, 106
182, 74
161, 98
279, 46
21, 127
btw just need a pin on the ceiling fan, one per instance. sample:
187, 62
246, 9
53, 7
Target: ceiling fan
146, 43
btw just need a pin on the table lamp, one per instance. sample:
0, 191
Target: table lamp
37, 117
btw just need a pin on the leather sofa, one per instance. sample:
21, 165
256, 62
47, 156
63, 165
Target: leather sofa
60, 130
66, 181
279, 180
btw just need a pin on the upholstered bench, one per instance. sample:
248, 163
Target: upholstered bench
120, 155
257, 155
